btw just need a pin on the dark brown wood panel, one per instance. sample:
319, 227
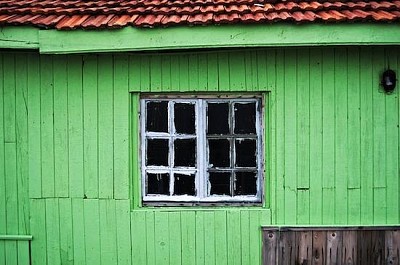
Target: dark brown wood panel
331, 245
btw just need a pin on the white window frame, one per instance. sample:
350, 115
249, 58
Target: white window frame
201, 173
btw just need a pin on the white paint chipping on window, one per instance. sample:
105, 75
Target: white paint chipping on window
201, 150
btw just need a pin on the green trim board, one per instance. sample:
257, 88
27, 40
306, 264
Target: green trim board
19, 37
16, 237
205, 37
227, 36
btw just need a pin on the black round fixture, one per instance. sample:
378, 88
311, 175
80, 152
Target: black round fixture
388, 81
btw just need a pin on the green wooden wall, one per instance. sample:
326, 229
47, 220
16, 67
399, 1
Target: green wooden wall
69, 152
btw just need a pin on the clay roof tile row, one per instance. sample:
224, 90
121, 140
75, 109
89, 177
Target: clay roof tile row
72, 14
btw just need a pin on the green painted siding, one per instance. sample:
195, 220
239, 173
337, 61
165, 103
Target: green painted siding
69, 152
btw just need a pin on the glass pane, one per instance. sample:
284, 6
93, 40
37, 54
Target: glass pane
184, 118
157, 152
158, 183
246, 153
219, 153
184, 185
245, 118
220, 183
246, 183
157, 116
218, 118
185, 152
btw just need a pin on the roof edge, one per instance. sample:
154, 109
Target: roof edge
199, 37
19, 37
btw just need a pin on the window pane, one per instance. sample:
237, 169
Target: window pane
246, 183
157, 116
246, 153
157, 152
158, 183
220, 183
219, 153
185, 153
184, 184
245, 118
218, 118
184, 118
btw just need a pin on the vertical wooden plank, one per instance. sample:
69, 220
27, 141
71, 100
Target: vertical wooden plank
61, 127
349, 247
90, 126
223, 72
290, 135
11, 252
245, 236
108, 231
105, 126
22, 143
303, 206
354, 215
193, 72
380, 208
287, 248
11, 188
75, 126
233, 237
318, 248
255, 238
392, 143
92, 231
123, 232
303, 119
174, 72
270, 247
47, 125
333, 247
34, 139
66, 231
175, 235
162, 237
138, 238
341, 143
366, 109
203, 73
328, 208
188, 219
144, 73
328, 126
155, 73
183, 72
38, 230
53, 231
121, 128
106, 67
135, 151
165, 72
316, 136
199, 238
354, 115
212, 71
379, 121
392, 244
78, 224
304, 247
220, 231
9, 98
151, 237
23, 253
279, 103
237, 71
3, 217
209, 238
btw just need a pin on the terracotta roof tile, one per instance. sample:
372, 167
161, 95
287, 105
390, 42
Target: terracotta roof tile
71, 14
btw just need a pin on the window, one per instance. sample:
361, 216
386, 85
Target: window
201, 150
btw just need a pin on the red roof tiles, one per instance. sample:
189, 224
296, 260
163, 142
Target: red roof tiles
72, 14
